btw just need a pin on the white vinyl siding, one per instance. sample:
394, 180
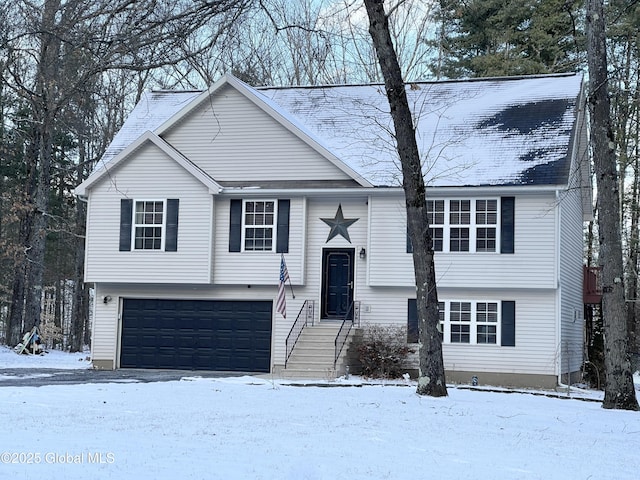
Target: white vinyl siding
570, 279
104, 329
574, 209
531, 266
135, 179
257, 267
318, 233
387, 260
534, 352
211, 137
535, 326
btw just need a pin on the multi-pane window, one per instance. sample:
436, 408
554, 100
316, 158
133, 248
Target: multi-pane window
148, 225
487, 322
468, 322
459, 214
458, 239
435, 213
486, 214
460, 320
459, 225
259, 218
437, 239
412, 320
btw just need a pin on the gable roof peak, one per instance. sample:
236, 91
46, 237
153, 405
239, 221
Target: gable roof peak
149, 137
274, 110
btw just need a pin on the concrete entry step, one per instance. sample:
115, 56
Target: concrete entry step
313, 354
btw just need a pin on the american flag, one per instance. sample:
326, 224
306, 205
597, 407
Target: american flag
281, 300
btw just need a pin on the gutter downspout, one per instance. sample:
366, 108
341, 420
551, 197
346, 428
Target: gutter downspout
559, 296
558, 290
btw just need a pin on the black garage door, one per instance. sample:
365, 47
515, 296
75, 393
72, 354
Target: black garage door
196, 335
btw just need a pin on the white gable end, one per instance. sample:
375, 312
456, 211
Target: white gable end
234, 140
150, 175
107, 170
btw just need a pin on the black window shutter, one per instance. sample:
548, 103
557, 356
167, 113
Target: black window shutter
412, 321
409, 244
507, 214
235, 226
171, 241
508, 323
126, 217
282, 240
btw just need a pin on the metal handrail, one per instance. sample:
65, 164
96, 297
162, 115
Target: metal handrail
308, 307
350, 318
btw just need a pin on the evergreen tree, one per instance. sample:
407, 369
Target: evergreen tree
485, 38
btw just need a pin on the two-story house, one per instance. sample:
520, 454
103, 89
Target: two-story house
201, 194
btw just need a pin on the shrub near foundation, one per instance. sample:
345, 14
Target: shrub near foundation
383, 351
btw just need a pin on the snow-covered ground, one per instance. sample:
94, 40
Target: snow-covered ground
52, 359
255, 428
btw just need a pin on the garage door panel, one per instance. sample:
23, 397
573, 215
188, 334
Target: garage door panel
204, 342
196, 334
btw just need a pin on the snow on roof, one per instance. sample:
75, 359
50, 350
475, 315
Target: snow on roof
501, 131
153, 109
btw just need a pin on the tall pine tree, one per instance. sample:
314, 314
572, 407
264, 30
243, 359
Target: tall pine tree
486, 38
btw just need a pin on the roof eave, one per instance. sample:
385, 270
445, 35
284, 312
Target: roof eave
84, 187
252, 191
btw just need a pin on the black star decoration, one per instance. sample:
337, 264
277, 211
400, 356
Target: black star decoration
339, 225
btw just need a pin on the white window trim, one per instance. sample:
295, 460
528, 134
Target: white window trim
134, 225
473, 324
274, 236
472, 226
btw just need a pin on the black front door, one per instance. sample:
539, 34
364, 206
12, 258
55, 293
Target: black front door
337, 282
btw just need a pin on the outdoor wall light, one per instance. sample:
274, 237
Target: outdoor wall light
363, 253
106, 299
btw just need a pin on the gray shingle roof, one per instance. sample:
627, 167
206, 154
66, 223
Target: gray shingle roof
502, 131
508, 131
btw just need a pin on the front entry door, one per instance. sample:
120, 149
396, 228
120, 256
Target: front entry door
337, 282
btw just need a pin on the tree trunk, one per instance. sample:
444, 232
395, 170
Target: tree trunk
632, 275
44, 108
80, 310
619, 389
15, 324
431, 379
14, 320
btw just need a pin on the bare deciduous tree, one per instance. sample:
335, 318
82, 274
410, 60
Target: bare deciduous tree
431, 379
619, 388
54, 51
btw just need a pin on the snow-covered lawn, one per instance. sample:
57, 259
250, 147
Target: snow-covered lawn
52, 359
254, 428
